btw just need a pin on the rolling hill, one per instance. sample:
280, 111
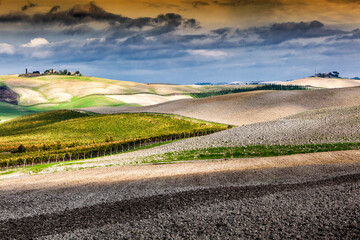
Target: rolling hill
56, 89
52, 92
67, 126
250, 107
65, 132
10, 111
325, 82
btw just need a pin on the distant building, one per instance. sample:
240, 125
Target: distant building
48, 72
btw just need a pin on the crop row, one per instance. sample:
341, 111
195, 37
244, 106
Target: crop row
68, 129
94, 150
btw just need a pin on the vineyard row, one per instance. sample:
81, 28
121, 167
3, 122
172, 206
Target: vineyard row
92, 151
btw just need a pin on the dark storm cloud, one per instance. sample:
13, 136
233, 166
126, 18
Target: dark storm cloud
74, 19
221, 31
77, 14
191, 23
280, 32
28, 6
163, 38
15, 18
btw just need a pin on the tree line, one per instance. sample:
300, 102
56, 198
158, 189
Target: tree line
248, 89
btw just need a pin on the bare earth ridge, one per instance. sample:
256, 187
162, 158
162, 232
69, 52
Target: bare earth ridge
249, 107
325, 82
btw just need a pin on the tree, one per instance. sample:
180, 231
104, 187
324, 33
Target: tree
335, 74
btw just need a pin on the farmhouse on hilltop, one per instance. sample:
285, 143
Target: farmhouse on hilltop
49, 72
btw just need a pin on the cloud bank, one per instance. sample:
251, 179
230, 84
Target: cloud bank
170, 47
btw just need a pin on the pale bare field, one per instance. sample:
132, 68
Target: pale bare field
325, 82
249, 107
29, 96
127, 173
15, 81
146, 99
72, 88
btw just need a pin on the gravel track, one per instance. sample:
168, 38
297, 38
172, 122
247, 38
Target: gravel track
324, 206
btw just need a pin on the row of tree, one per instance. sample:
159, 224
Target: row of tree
248, 89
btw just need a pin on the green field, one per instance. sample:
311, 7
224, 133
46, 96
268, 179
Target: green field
10, 111
250, 151
67, 131
72, 126
82, 102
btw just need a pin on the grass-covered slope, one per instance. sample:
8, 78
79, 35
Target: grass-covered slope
68, 128
250, 151
34, 123
66, 134
82, 102
10, 111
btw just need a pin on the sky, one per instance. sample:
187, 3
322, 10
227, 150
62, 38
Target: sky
182, 41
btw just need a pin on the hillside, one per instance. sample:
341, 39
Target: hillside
327, 129
69, 127
55, 89
53, 92
67, 133
10, 111
250, 107
325, 82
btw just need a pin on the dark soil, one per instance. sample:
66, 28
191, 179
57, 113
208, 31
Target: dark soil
323, 209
